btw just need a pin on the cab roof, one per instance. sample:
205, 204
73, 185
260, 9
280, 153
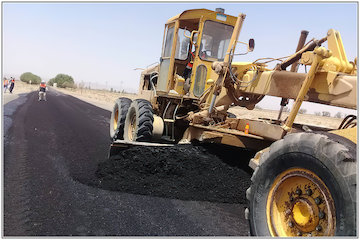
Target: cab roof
198, 13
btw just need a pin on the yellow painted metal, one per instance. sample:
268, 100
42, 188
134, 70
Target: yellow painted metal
300, 204
210, 15
231, 48
197, 60
198, 13
116, 118
302, 213
342, 93
179, 85
320, 53
170, 82
334, 82
227, 60
132, 127
349, 133
338, 61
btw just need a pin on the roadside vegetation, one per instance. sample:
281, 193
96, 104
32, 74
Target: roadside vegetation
62, 81
30, 78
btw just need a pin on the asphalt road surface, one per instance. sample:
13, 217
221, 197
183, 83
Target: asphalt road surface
52, 152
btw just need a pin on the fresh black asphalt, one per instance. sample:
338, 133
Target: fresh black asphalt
55, 155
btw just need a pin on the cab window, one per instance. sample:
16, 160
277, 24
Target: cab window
182, 45
168, 42
215, 41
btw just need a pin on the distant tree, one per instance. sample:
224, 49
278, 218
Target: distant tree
62, 81
302, 111
31, 78
326, 113
318, 113
338, 115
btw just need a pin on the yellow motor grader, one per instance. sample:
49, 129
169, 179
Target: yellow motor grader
304, 180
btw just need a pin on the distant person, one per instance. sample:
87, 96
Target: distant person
42, 91
6, 84
12, 84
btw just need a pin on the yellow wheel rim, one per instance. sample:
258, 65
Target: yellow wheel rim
300, 204
116, 118
132, 128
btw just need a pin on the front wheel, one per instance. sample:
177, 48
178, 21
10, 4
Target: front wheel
305, 185
139, 121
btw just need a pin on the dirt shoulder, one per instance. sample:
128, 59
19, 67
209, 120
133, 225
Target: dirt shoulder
101, 98
106, 99
20, 89
23, 87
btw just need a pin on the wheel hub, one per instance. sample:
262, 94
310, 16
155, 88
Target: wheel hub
305, 214
300, 204
132, 128
116, 118
302, 213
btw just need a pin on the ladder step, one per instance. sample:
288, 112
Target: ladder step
169, 120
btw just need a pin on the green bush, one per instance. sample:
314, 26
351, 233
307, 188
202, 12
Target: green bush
62, 81
69, 85
28, 76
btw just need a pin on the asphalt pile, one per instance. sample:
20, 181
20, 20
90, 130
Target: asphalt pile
186, 172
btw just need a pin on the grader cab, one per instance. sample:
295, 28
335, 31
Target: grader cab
192, 41
304, 180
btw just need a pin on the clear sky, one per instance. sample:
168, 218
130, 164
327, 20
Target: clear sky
102, 43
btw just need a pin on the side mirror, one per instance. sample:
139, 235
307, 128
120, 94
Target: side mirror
251, 45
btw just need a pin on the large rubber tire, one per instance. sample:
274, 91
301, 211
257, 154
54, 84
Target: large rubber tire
117, 120
139, 121
331, 161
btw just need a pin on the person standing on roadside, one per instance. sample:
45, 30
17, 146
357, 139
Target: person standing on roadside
12, 84
6, 84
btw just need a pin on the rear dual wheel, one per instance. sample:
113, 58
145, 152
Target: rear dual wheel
139, 121
305, 185
118, 116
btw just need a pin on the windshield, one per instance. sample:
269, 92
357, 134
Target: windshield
215, 41
182, 45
